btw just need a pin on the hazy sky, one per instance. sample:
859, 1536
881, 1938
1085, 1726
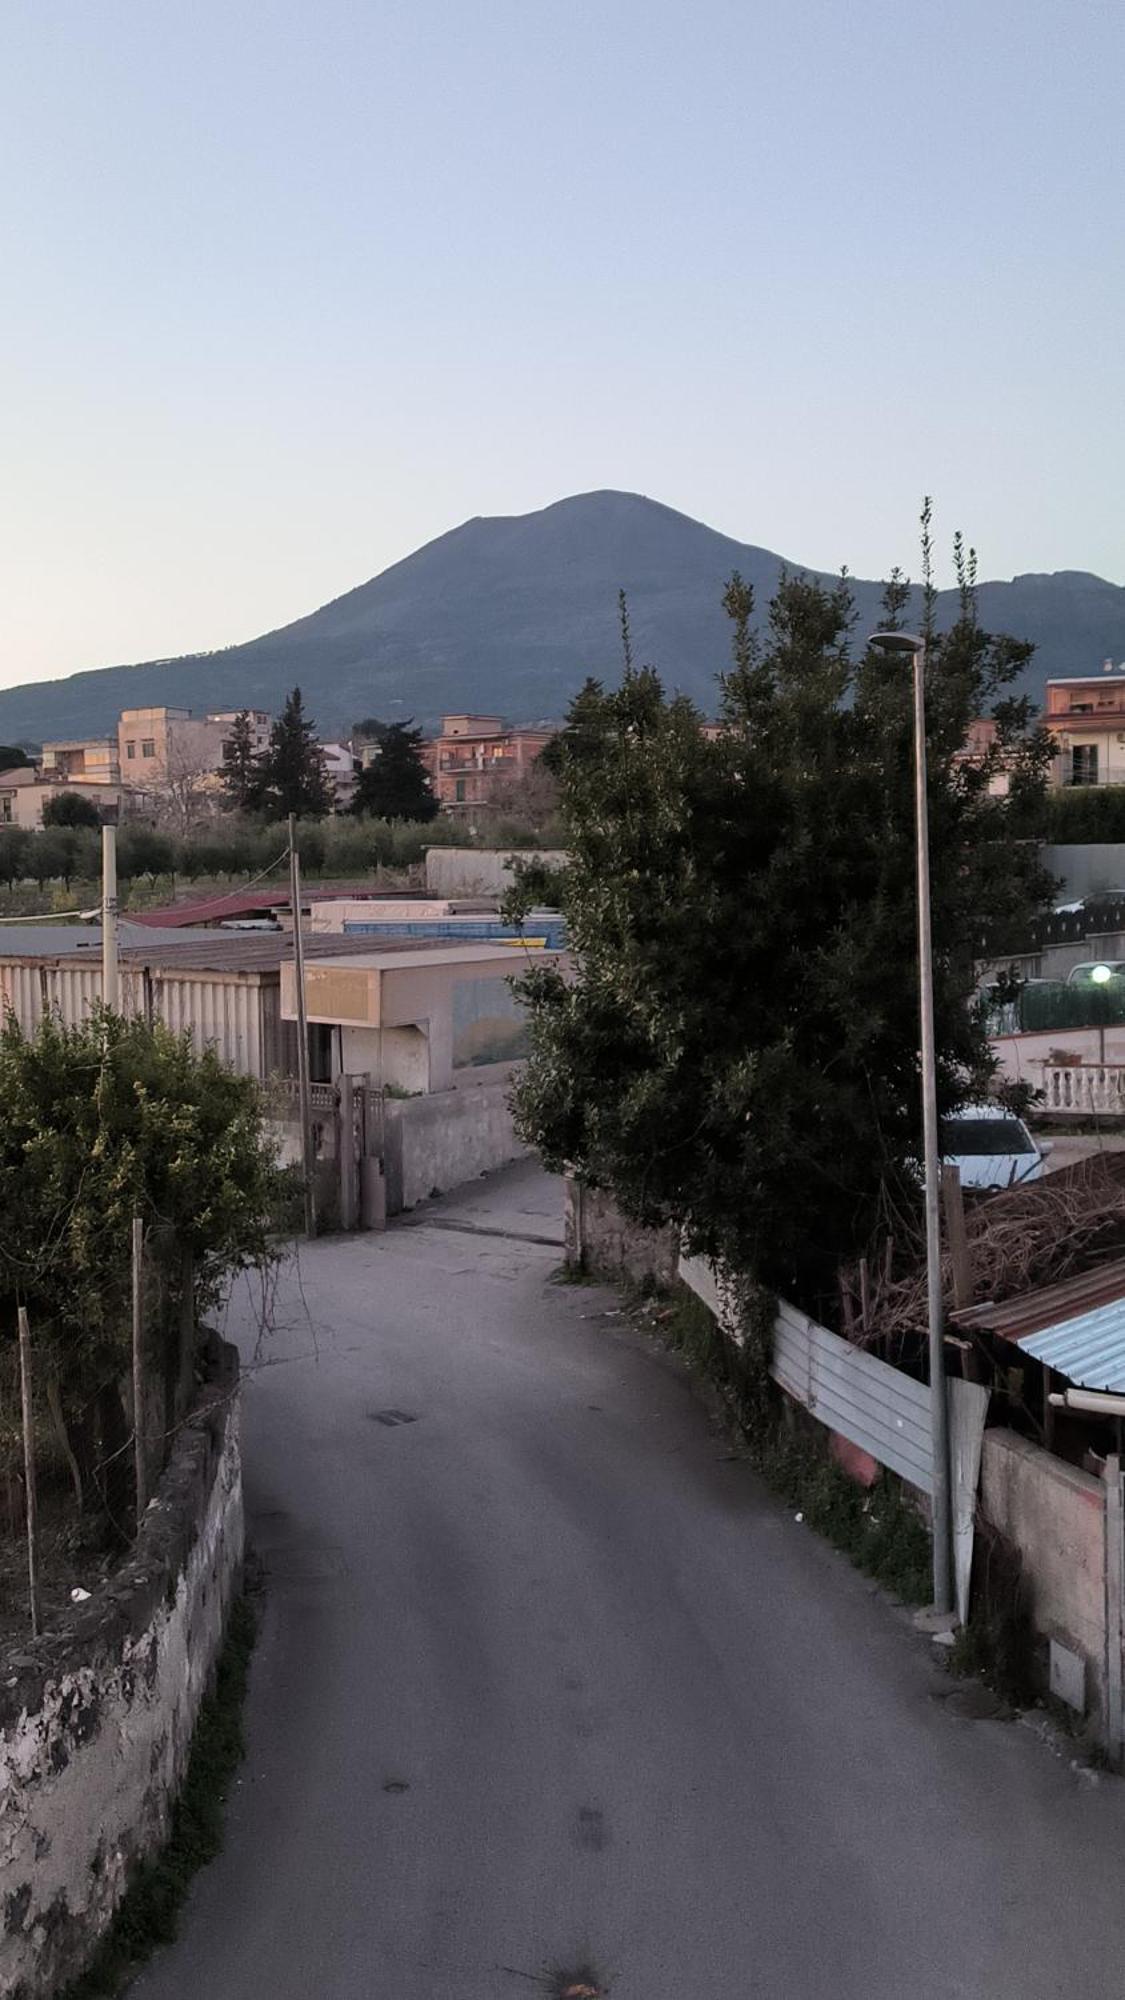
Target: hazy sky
290, 288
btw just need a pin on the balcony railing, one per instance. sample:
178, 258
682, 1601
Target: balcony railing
1084, 1090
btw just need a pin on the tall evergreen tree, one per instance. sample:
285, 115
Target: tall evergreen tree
242, 776
395, 785
293, 774
738, 1053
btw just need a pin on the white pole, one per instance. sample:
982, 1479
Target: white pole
939, 1412
308, 1156
941, 1497
110, 983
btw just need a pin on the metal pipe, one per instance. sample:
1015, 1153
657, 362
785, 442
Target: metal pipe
1093, 1402
111, 997
308, 1155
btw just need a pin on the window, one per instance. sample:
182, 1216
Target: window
148, 747
130, 749
966, 1138
459, 791
6, 808
1084, 764
1081, 708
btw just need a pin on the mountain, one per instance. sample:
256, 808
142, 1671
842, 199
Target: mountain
508, 615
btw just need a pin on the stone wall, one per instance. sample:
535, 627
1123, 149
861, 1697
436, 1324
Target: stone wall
599, 1239
448, 1137
96, 1718
1053, 1514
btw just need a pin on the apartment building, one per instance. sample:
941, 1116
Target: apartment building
157, 746
1086, 717
25, 791
94, 761
476, 755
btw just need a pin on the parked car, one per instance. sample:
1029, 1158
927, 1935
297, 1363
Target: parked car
991, 1147
1096, 972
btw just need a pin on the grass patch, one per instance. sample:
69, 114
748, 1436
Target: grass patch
879, 1527
148, 1915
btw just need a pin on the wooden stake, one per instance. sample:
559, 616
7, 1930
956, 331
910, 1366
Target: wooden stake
140, 1462
958, 1237
29, 1476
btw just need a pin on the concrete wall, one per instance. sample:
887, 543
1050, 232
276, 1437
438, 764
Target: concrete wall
477, 871
448, 1137
1054, 1516
600, 1240
1021, 1057
96, 1719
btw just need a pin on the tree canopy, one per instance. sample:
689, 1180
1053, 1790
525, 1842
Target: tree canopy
292, 776
738, 1052
241, 775
70, 809
395, 784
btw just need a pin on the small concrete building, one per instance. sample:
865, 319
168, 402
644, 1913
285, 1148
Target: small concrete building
414, 1015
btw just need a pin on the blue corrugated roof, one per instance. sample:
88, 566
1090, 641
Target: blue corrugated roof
1088, 1350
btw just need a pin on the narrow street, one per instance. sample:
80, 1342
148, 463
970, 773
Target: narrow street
550, 1688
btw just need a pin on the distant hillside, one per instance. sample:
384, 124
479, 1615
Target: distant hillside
510, 614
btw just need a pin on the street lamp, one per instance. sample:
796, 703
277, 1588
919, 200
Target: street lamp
901, 643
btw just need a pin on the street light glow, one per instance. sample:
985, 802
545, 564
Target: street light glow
1100, 974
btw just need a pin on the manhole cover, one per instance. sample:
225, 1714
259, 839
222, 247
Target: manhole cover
391, 1417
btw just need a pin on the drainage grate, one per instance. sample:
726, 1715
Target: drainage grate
391, 1417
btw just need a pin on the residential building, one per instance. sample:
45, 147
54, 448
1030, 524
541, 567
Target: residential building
25, 790
1086, 717
340, 763
261, 723
980, 739
476, 755
92, 761
158, 747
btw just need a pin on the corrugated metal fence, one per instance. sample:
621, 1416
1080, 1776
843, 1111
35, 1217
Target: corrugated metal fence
875, 1406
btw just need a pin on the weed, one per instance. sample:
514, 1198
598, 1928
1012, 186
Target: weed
879, 1528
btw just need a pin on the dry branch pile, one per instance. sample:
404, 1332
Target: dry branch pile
1068, 1222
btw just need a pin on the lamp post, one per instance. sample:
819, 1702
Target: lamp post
909, 643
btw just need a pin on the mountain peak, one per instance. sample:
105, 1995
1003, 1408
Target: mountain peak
510, 613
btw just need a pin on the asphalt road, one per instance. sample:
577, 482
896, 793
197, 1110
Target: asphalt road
549, 1687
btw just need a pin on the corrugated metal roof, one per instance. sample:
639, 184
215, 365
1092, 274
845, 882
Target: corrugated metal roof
1089, 1350
1048, 1305
1076, 1327
249, 902
242, 951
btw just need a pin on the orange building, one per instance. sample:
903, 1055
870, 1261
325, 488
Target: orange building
1087, 720
475, 755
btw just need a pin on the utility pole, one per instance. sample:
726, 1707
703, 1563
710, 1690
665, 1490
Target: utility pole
308, 1157
110, 983
941, 1496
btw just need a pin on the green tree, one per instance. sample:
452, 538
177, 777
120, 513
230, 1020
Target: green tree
293, 775
16, 845
242, 773
396, 785
738, 1053
12, 758
99, 1123
70, 809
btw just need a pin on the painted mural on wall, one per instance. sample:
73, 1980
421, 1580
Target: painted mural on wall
489, 1023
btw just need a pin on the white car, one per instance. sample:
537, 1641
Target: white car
992, 1147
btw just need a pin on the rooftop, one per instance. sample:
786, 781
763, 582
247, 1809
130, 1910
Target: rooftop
236, 951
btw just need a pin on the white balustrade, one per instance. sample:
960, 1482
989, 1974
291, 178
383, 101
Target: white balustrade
1084, 1089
